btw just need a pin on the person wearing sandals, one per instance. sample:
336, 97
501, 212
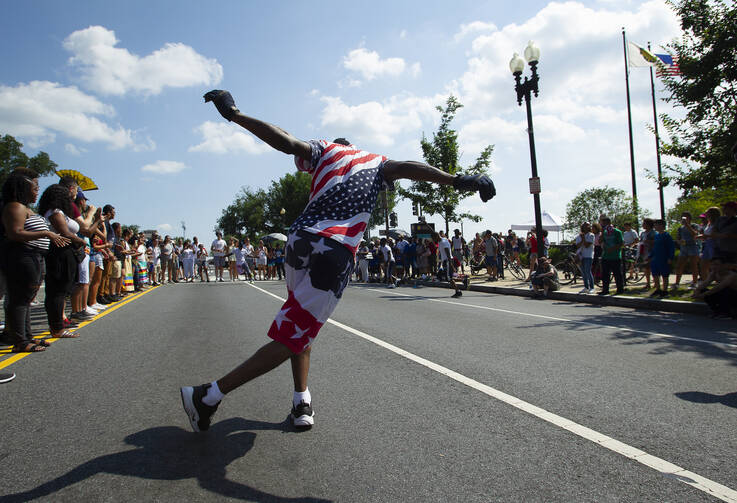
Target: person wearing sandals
61, 266
26, 241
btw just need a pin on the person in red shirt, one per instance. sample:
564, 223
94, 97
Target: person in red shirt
432, 259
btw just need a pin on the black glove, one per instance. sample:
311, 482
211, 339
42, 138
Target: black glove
476, 183
223, 102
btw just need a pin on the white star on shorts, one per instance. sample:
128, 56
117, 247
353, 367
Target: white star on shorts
320, 247
281, 316
298, 332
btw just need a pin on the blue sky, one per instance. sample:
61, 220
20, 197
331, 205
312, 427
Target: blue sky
114, 90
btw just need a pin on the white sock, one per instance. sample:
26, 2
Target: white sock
214, 395
302, 396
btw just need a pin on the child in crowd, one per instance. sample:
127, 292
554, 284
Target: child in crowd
661, 255
230, 256
202, 263
188, 259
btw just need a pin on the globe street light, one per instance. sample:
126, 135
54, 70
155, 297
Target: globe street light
524, 90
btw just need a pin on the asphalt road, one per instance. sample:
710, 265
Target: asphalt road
418, 397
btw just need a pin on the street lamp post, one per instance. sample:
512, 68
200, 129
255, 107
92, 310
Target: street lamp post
524, 91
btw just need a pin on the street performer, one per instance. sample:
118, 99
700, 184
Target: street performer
320, 252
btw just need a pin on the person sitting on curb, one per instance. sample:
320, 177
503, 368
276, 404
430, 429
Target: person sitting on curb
545, 277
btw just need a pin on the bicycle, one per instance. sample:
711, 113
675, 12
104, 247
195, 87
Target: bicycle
513, 267
569, 270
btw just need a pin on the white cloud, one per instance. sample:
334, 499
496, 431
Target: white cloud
374, 122
370, 65
164, 227
107, 69
474, 27
581, 54
39, 110
164, 167
73, 149
403, 34
222, 138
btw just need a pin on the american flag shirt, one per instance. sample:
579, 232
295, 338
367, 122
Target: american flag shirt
345, 184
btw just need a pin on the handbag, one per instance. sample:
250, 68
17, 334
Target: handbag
79, 253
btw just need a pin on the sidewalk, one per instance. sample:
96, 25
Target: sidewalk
513, 286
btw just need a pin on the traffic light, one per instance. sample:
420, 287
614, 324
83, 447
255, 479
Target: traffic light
415, 209
392, 219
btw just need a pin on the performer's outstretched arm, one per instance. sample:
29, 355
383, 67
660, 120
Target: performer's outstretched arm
272, 135
419, 171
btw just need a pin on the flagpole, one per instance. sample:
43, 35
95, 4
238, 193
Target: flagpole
657, 143
629, 121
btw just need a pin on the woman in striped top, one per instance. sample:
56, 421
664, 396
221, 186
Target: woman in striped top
61, 266
26, 241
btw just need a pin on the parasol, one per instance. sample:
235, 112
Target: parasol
84, 182
276, 236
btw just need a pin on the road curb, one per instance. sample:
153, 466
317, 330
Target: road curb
669, 306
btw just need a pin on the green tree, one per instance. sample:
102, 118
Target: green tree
258, 212
289, 193
697, 203
707, 91
246, 215
443, 153
588, 205
12, 156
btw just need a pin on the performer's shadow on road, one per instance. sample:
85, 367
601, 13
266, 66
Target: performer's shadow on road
172, 453
729, 399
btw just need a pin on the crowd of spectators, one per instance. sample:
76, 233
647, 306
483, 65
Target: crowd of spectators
441, 258
80, 253
707, 251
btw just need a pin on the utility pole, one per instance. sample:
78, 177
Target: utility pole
386, 213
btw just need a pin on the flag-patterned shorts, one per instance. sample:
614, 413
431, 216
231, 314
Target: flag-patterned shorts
317, 270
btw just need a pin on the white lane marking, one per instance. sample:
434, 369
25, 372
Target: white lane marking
668, 469
721, 345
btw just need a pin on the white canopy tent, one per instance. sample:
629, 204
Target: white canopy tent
550, 222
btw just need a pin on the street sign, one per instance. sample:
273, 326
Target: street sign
422, 230
535, 185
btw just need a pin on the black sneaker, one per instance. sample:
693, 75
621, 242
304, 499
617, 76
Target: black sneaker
199, 412
102, 299
81, 316
457, 294
302, 415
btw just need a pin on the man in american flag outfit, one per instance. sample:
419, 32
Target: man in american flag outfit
320, 251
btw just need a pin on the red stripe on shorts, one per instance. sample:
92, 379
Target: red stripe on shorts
294, 326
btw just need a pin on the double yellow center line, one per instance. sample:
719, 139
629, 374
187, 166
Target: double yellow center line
19, 356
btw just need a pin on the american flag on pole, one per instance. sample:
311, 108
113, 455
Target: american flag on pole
668, 66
